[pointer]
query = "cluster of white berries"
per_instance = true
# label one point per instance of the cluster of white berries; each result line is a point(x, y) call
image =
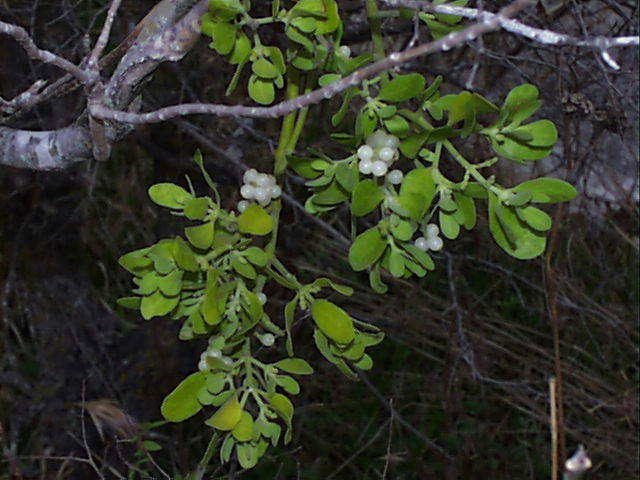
point(432, 241)
point(260, 187)
point(214, 354)
point(377, 155)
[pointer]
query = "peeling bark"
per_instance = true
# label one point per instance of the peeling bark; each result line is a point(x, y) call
point(45, 150)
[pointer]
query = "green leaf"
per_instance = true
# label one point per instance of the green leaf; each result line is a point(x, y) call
point(333, 321)
point(323, 282)
point(534, 217)
point(151, 446)
point(216, 382)
point(196, 208)
point(347, 176)
point(157, 305)
point(241, 50)
point(247, 455)
point(547, 190)
point(402, 88)
point(227, 416)
point(302, 166)
point(182, 402)
point(224, 37)
point(396, 264)
point(466, 209)
point(543, 135)
point(401, 229)
point(511, 234)
point(420, 256)
point(184, 256)
point(255, 221)
point(365, 363)
point(171, 284)
point(243, 431)
point(419, 181)
point(411, 145)
point(449, 226)
point(289, 311)
point(366, 249)
point(294, 365)
point(521, 103)
point(288, 383)
point(243, 267)
point(366, 196)
point(375, 280)
point(132, 303)
point(261, 90)
point(169, 195)
point(136, 262)
point(283, 406)
point(226, 449)
point(256, 255)
point(200, 236)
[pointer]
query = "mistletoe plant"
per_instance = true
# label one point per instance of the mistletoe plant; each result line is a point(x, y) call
point(395, 179)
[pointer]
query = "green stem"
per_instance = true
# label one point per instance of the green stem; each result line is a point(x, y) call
point(471, 168)
point(376, 29)
point(285, 146)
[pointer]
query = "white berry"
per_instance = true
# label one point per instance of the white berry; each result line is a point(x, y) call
point(214, 353)
point(262, 194)
point(268, 339)
point(365, 152)
point(379, 168)
point(365, 167)
point(432, 230)
point(242, 205)
point(202, 365)
point(344, 51)
point(227, 361)
point(386, 154)
point(435, 243)
point(421, 243)
point(248, 192)
point(262, 298)
point(392, 141)
point(377, 139)
point(395, 177)
point(250, 175)
point(275, 191)
point(262, 180)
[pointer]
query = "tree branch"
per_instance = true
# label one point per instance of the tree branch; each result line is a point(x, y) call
point(539, 35)
point(284, 108)
point(45, 56)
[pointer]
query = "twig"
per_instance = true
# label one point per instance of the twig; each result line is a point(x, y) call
point(92, 63)
point(45, 56)
point(430, 443)
point(281, 109)
point(548, 37)
point(553, 416)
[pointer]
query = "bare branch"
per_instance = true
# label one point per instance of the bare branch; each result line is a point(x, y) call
point(603, 44)
point(101, 43)
point(23, 100)
point(47, 150)
point(284, 108)
point(45, 56)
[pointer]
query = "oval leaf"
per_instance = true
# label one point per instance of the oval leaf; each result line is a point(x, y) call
point(333, 321)
point(182, 402)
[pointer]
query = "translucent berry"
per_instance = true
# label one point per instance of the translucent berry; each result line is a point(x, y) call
point(262, 297)
point(262, 194)
point(395, 177)
point(365, 167)
point(250, 175)
point(242, 205)
point(275, 191)
point(432, 230)
point(386, 154)
point(391, 141)
point(379, 168)
point(248, 192)
point(263, 180)
point(227, 361)
point(421, 243)
point(214, 353)
point(202, 365)
point(435, 243)
point(365, 152)
point(377, 139)
point(267, 339)
point(344, 51)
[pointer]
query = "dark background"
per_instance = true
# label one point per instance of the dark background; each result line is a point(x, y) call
point(469, 349)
